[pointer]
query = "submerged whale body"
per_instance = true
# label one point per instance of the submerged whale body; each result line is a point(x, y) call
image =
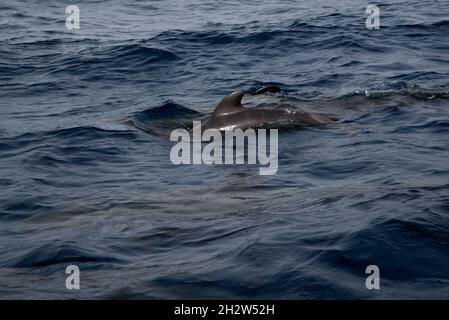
point(230, 114)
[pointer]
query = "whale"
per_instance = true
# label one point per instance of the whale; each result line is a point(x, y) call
point(230, 114)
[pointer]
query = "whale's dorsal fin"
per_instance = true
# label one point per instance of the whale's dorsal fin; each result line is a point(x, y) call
point(230, 104)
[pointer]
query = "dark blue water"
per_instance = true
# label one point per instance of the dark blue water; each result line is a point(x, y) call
point(86, 177)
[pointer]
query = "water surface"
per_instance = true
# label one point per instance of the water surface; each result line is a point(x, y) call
point(83, 184)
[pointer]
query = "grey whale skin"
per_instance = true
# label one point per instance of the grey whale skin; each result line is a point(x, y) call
point(230, 114)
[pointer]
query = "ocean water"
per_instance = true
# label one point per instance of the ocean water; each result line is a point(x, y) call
point(86, 177)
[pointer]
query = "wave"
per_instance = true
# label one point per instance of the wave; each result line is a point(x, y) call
point(127, 58)
point(57, 253)
point(437, 25)
point(439, 126)
point(97, 59)
point(385, 240)
point(168, 109)
point(161, 120)
point(62, 142)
